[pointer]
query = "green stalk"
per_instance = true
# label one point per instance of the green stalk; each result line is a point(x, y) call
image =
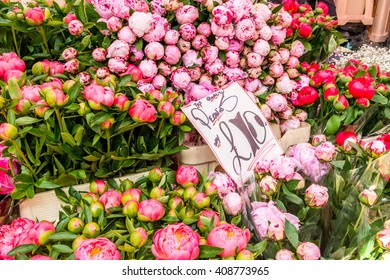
point(108, 137)
point(359, 218)
point(160, 125)
point(15, 41)
point(130, 136)
point(25, 160)
point(43, 35)
point(58, 115)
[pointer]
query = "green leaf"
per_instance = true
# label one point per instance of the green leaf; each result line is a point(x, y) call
point(277, 8)
point(68, 138)
point(82, 16)
point(366, 250)
point(106, 42)
point(63, 236)
point(259, 248)
point(209, 251)
point(74, 92)
point(292, 197)
point(61, 195)
point(63, 249)
point(332, 45)
point(185, 128)
point(333, 125)
point(79, 174)
point(55, 23)
point(352, 114)
point(99, 118)
point(139, 44)
point(24, 178)
point(22, 249)
point(373, 71)
point(14, 90)
point(307, 46)
point(42, 183)
point(222, 56)
point(380, 99)
point(236, 220)
point(291, 233)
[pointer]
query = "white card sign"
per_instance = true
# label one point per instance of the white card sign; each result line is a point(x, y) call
point(233, 126)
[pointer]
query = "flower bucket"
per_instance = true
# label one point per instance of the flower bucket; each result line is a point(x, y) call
point(293, 136)
point(46, 205)
point(201, 157)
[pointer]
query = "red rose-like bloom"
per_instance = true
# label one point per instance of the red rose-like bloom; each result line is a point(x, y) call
point(361, 87)
point(307, 96)
point(343, 136)
point(142, 111)
point(385, 138)
point(305, 30)
point(321, 5)
point(291, 6)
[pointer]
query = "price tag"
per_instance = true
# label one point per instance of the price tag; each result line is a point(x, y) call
point(233, 126)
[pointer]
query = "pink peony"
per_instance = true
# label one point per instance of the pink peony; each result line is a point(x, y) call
point(148, 68)
point(114, 24)
point(158, 29)
point(284, 255)
point(325, 151)
point(254, 59)
point(40, 232)
point(140, 23)
point(232, 203)
point(261, 47)
point(75, 27)
point(180, 78)
point(142, 111)
point(282, 168)
point(187, 31)
point(245, 29)
point(199, 42)
point(230, 238)
point(110, 198)
point(172, 54)
point(176, 242)
point(119, 49)
point(215, 67)
point(187, 176)
point(171, 37)
point(97, 95)
point(297, 48)
point(223, 182)
point(209, 54)
point(35, 16)
point(154, 51)
point(222, 15)
point(99, 54)
point(186, 14)
point(100, 248)
point(308, 251)
point(278, 34)
point(222, 31)
point(69, 53)
point(6, 241)
point(103, 8)
point(264, 213)
point(127, 35)
point(265, 33)
point(72, 66)
point(191, 58)
point(204, 29)
point(150, 210)
point(276, 102)
point(316, 196)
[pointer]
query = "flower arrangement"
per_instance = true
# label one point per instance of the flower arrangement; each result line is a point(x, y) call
point(139, 220)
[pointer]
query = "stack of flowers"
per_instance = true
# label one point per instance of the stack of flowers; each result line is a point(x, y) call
point(165, 215)
point(354, 95)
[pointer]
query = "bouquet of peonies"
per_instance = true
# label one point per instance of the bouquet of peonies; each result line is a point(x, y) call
point(164, 215)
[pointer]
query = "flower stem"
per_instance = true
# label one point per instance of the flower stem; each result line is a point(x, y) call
point(44, 40)
point(15, 42)
point(58, 115)
point(160, 125)
point(360, 217)
point(25, 160)
point(130, 137)
point(108, 137)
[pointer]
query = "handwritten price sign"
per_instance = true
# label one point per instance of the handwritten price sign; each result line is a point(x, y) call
point(234, 128)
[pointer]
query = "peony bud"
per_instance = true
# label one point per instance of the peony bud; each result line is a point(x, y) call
point(91, 230)
point(35, 16)
point(130, 209)
point(187, 176)
point(8, 131)
point(76, 225)
point(98, 187)
point(138, 237)
point(316, 196)
point(155, 175)
point(97, 209)
point(40, 232)
point(308, 251)
point(232, 204)
point(200, 200)
point(268, 185)
point(368, 197)
point(131, 194)
point(245, 255)
point(340, 103)
point(75, 27)
point(284, 255)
